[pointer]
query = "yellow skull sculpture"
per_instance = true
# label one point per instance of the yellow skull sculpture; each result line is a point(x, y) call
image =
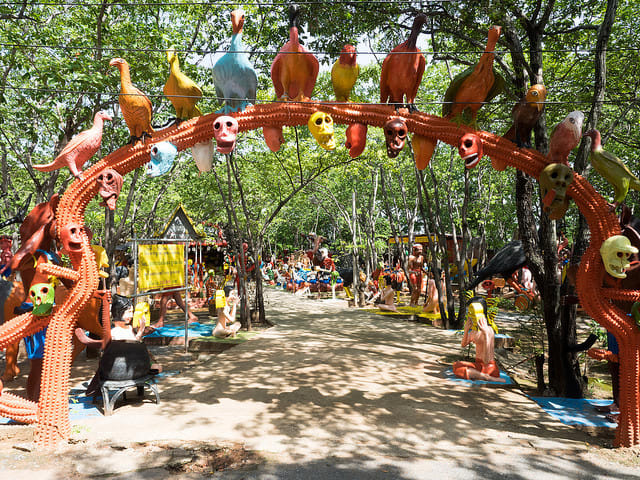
point(321, 127)
point(615, 252)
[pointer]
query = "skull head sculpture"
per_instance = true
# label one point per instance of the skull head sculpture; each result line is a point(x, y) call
point(615, 252)
point(110, 183)
point(71, 237)
point(470, 149)
point(162, 156)
point(395, 133)
point(554, 180)
point(42, 296)
point(225, 129)
point(321, 127)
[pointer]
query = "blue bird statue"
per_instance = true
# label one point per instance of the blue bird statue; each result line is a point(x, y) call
point(234, 77)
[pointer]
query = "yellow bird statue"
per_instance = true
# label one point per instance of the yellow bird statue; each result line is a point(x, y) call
point(344, 73)
point(181, 90)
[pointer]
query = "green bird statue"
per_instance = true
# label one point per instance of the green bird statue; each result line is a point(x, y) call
point(612, 169)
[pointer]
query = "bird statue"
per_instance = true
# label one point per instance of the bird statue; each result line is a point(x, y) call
point(612, 169)
point(80, 149)
point(234, 77)
point(402, 69)
point(470, 89)
point(525, 114)
point(344, 73)
point(505, 262)
point(565, 137)
point(135, 105)
point(295, 69)
point(181, 90)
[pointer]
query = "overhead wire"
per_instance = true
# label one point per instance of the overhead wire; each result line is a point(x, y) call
point(321, 102)
point(576, 50)
point(254, 3)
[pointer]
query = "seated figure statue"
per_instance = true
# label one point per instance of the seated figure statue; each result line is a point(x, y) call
point(477, 330)
point(226, 308)
point(387, 296)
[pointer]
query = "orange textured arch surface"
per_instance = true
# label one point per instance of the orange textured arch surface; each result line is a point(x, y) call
point(52, 410)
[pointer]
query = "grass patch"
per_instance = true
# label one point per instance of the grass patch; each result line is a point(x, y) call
point(239, 338)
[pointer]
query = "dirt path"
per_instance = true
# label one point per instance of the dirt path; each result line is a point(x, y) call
point(329, 393)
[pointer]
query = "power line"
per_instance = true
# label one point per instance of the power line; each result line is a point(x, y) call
point(183, 4)
point(328, 102)
point(577, 50)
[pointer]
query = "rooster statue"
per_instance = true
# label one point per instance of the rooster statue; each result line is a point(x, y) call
point(80, 149)
point(135, 105)
point(181, 90)
point(234, 77)
point(470, 89)
point(402, 69)
point(295, 69)
point(344, 73)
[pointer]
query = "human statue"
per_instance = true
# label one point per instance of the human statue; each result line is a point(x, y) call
point(226, 304)
point(416, 263)
point(478, 331)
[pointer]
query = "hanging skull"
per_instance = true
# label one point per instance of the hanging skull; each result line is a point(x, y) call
point(163, 155)
point(321, 127)
point(615, 252)
point(395, 133)
point(110, 183)
point(554, 180)
point(71, 238)
point(42, 296)
point(470, 149)
point(225, 129)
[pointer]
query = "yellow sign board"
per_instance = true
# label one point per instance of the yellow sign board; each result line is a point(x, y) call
point(160, 266)
point(416, 239)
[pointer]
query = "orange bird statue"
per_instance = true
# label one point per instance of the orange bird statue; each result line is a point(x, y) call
point(80, 149)
point(402, 70)
point(295, 69)
point(475, 86)
point(135, 105)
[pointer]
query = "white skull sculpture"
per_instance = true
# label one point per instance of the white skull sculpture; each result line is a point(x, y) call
point(615, 252)
point(554, 181)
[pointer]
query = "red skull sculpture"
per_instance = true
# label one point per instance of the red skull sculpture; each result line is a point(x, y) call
point(225, 129)
point(110, 183)
point(470, 149)
point(395, 132)
point(71, 237)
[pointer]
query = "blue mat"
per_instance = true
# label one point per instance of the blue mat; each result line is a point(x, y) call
point(195, 330)
point(81, 406)
point(575, 411)
point(450, 376)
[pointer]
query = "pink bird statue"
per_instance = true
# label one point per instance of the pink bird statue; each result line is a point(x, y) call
point(80, 149)
point(565, 137)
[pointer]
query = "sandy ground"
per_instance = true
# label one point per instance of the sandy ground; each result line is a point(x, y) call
point(329, 393)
